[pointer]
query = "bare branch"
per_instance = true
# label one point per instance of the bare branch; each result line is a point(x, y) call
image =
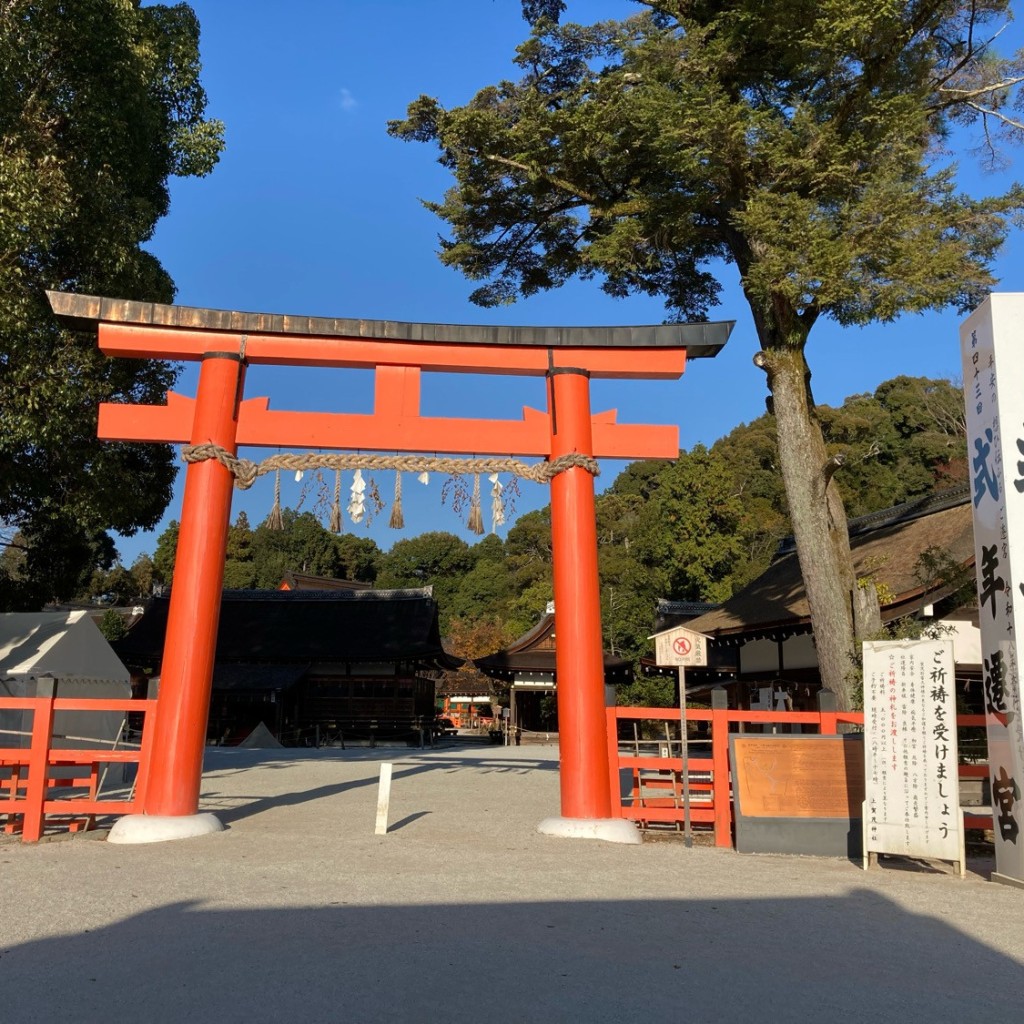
point(968, 94)
point(988, 112)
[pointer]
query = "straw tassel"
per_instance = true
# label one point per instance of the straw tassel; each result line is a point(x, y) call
point(275, 521)
point(397, 520)
point(335, 524)
point(476, 520)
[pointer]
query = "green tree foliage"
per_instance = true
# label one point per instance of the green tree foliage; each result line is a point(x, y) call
point(628, 592)
point(120, 585)
point(689, 528)
point(144, 573)
point(528, 553)
point(649, 692)
point(484, 589)
point(100, 104)
point(165, 553)
point(905, 440)
point(799, 141)
point(305, 546)
point(437, 559)
point(260, 558)
point(239, 561)
point(358, 558)
point(112, 625)
point(751, 451)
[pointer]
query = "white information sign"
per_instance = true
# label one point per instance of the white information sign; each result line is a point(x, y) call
point(680, 646)
point(911, 784)
point(992, 345)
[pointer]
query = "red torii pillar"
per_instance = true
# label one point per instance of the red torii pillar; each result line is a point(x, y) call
point(227, 341)
point(579, 651)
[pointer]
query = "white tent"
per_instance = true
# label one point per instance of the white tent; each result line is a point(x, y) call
point(69, 647)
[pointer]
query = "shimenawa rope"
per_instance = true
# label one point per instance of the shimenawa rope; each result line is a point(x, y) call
point(246, 472)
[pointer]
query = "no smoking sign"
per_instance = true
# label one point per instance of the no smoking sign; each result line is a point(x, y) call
point(681, 646)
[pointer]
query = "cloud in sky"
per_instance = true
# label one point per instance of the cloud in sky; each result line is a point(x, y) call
point(347, 101)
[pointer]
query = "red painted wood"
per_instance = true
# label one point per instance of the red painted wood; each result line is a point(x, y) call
point(579, 659)
point(400, 430)
point(186, 673)
point(719, 813)
point(38, 768)
point(317, 350)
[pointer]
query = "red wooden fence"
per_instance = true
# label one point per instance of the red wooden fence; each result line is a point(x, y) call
point(652, 765)
point(41, 780)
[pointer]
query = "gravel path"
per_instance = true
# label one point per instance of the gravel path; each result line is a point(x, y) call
point(463, 912)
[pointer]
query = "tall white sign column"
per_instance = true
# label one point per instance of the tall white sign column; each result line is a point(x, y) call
point(992, 345)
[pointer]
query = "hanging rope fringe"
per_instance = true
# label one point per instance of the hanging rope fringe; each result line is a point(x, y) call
point(476, 520)
point(335, 523)
point(246, 473)
point(397, 520)
point(275, 521)
point(497, 505)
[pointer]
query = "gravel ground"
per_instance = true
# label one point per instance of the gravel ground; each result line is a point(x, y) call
point(463, 912)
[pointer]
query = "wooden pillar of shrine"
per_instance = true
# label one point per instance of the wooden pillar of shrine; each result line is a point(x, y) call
point(579, 659)
point(186, 675)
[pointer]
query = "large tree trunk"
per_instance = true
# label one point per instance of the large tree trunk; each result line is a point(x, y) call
point(817, 514)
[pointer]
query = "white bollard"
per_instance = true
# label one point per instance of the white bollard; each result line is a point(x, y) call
point(383, 799)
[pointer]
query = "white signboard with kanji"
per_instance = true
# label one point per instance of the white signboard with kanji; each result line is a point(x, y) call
point(680, 647)
point(992, 346)
point(911, 783)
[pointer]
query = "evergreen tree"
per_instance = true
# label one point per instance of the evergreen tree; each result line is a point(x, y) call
point(100, 104)
point(798, 141)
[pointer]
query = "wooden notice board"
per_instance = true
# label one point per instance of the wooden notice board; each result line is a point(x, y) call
point(798, 776)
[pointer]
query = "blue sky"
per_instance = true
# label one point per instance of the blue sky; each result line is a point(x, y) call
point(314, 210)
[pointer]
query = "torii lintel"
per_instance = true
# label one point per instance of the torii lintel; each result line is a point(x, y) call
point(154, 330)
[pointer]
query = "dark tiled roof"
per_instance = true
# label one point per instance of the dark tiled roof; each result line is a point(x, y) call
point(503, 664)
point(303, 581)
point(540, 637)
point(534, 651)
point(678, 613)
point(887, 546)
point(307, 626)
point(905, 513)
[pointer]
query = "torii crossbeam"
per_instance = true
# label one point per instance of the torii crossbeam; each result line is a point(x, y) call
point(226, 342)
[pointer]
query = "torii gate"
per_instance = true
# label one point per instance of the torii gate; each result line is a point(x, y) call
point(226, 342)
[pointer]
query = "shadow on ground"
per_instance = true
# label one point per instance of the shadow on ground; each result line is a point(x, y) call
point(858, 957)
point(219, 764)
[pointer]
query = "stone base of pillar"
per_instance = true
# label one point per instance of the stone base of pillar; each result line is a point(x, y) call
point(159, 828)
point(611, 830)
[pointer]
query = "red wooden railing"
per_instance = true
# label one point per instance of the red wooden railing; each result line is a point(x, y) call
point(652, 770)
point(32, 778)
